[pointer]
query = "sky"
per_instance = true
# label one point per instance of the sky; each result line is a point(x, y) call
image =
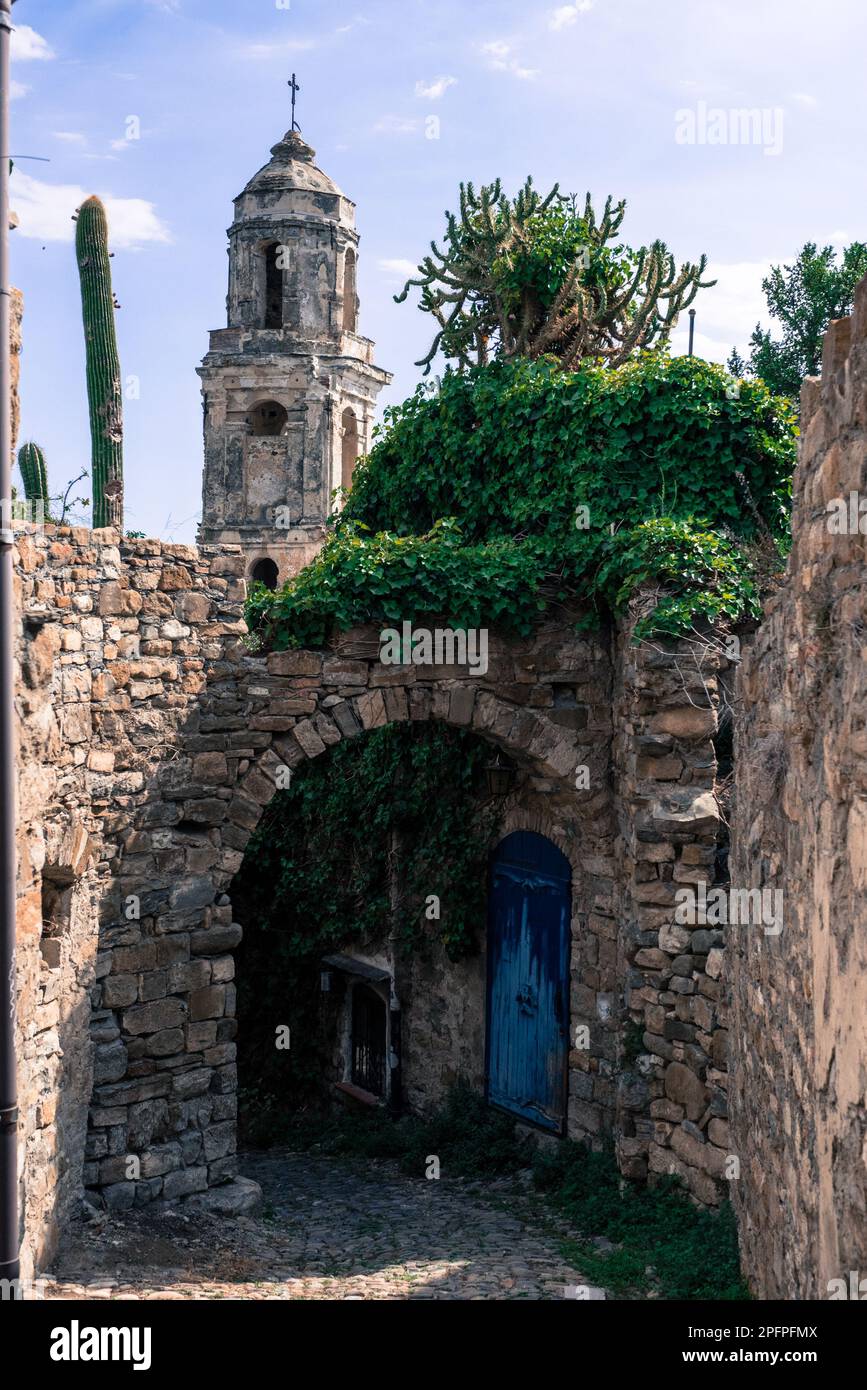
point(165, 108)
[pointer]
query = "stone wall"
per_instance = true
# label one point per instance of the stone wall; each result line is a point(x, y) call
point(799, 1006)
point(112, 654)
point(672, 1088)
point(151, 741)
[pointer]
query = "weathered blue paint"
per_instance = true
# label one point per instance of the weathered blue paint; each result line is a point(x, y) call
point(528, 979)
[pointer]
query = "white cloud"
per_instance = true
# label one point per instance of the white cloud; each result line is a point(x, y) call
point(28, 46)
point(497, 51)
point(435, 89)
point(401, 269)
point(273, 50)
point(805, 99)
point(359, 21)
point(17, 89)
point(727, 314)
point(566, 15)
point(499, 56)
point(396, 125)
point(45, 211)
point(70, 137)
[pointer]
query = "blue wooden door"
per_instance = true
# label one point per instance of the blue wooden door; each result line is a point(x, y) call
point(528, 979)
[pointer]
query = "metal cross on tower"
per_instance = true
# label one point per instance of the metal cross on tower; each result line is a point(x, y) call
point(294, 88)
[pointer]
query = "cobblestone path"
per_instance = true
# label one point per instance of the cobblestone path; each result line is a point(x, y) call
point(328, 1228)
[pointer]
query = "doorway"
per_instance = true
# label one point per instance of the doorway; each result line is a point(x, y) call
point(529, 911)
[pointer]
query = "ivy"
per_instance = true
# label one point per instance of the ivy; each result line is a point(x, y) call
point(518, 484)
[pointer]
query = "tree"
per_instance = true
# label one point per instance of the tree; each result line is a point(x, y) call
point(534, 275)
point(804, 297)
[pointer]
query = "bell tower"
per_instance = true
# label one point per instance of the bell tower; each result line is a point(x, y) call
point(289, 387)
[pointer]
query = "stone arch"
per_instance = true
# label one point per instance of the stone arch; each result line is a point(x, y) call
point(265, 571)
point(461, 704)
point(254, 720)
point(517, 817)
point(530, 739)
point(349, 446)
point(350, 291)
point(267, 419)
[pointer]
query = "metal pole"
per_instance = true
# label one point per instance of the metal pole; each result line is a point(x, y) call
point(9, 1264)
point(691, 329)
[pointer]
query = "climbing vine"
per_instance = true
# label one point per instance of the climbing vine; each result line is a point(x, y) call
point(516, 485)
point(354, 850)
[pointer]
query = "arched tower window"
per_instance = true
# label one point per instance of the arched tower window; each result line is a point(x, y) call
point(274, 254)
point(350, 294)
point(349, 451)
point(268, 418)
point(265, 572)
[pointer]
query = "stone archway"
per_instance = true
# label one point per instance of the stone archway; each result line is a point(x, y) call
point(252, 721)
point(173, 734)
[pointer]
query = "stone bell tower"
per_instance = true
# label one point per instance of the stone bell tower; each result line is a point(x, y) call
point(289, 386)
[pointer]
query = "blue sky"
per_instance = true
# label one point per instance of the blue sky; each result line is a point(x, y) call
point(166, 107)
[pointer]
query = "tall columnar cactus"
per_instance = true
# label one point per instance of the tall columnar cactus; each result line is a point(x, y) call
point(103, 364)
point(34, 475)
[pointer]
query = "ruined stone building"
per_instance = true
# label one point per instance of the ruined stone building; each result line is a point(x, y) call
point(152, 740)
point(289, 386)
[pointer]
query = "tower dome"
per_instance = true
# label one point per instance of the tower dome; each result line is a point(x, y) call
point(291, 169)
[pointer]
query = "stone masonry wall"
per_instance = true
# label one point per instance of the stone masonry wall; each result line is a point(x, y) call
point(672, 1095)
point(112, 653)
point(799, 1010)
point(152, 740)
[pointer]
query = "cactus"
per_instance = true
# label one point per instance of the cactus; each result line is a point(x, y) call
point(31, 462)
point(103, 364)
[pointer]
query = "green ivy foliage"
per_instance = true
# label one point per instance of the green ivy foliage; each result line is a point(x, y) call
point(468, 504)
point(315, 878)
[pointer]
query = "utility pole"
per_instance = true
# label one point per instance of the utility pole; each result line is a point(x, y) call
point(9, 1263)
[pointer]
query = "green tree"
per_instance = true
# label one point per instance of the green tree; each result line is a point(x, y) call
point(803, 297)
point(534, 275)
